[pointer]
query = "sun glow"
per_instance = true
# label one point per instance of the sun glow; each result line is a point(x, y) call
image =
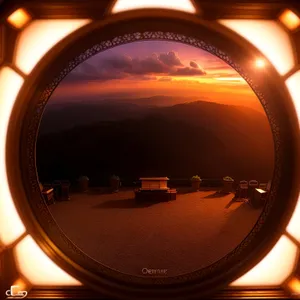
point(37, 267)
point(232, 79)
point(39, 37)
point(292, 84)
point(294, 285)
point(10, 223)
point(260, 63)
point(183, 5)
point(268, 37)
point(274, 268)
point(293, 227)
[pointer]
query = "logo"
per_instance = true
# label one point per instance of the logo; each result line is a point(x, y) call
point(15, 293)
point(146, 271)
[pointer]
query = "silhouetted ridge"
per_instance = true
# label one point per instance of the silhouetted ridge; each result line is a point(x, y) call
point(199, 137)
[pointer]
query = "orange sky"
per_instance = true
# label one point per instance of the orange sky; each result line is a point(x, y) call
point(147, 69)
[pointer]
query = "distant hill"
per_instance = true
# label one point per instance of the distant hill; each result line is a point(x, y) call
point(84, 112)
point(158, 100)
point(67, 114)
point(130, 140)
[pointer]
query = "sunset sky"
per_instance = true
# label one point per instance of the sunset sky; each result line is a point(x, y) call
point(151, 68)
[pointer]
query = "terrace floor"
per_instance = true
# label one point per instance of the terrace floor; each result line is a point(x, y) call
point(182, 236)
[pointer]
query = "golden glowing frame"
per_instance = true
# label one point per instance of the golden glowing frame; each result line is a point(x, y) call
point(252, 24)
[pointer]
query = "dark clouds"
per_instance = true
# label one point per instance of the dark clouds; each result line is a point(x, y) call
point(194, 65)
point(170, 59)
point(122, 66)
point(148, 65)
point(76, 76)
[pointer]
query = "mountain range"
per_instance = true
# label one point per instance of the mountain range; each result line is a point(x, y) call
point(93, 109)
point(154, 137)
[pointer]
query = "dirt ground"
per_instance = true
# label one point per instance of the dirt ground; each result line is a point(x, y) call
point(181, 236)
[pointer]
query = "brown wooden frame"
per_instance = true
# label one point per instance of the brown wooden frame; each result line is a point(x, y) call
point(96, 10)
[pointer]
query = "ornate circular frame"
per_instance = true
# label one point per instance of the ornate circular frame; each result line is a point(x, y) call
point(100, 36)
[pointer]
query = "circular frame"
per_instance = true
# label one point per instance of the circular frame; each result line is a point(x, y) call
point(189, 29)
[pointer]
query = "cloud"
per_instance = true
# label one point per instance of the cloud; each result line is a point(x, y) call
point(170, 59)
point(154, 64)
point(146, 68)
point(149, 65)
point(187, 71)
point(96, 75)
point(118, 62)
point(194, 65)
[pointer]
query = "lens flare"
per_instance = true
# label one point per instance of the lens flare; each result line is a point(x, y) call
point(260, 63)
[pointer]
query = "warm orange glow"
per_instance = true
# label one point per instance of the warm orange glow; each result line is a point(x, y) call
point(293, 86)
point(290, 19)
point(294, 286)
point(183, 5)
point(232, 79)
point(274, 268)
point(19, 18)
point(37, 267)
point(21, 284)
point(11, 226)
point(260, 63)
point(268, 37)
point(39, 37)
point(293, 227)
point(221, 91)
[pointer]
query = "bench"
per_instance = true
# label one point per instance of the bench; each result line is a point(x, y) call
point(48, 193)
